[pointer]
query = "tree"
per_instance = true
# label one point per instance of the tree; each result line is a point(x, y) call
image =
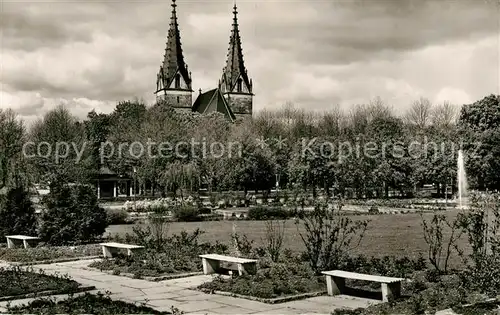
point(444, 115)
point(480, 127)
point(59, 129)
point(251, 164)
point(17, 213)
point(12, 138)
point(96, 131)
point(73, 215)
point(420, 113)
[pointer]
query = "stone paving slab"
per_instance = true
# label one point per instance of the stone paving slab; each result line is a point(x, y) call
point(194, 297)
point(343, 301)
point(224, 310)
point(165, 304)
point(136, 283)
point(305, 306)
point(198, 306)
point(161, 289)
point(164, 294)
point(244, 303)
point(188, 282)
point(284, 311)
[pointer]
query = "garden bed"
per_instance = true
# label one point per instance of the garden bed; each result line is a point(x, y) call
point(276, 283)
point(84, 304)
point(18, 284)
point(45, 255)
point(116, 272)
point(277, 300)
point(151, 265)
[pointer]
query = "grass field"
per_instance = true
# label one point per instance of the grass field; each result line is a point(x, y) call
point(387, 234)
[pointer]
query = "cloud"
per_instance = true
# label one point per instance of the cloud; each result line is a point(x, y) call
point(314, 54)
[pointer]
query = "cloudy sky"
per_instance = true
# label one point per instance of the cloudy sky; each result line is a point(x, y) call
point(315, 54)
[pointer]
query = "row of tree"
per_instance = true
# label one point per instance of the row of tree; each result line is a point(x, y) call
point(416, 148)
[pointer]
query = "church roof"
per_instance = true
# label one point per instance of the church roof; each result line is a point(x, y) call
point(173, 60)
point(235, 66)
point(213, 101)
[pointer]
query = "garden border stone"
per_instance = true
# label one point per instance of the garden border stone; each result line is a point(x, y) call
point(277, 300)
point(80, 289)
point(50, 261)
point(148, 278)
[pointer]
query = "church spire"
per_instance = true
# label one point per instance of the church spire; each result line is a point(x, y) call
point(234, 73)
point(174, 68)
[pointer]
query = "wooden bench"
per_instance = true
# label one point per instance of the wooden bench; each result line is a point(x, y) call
point(26, 241)
point(108, 249)
point(212, 263)
point(335, 283)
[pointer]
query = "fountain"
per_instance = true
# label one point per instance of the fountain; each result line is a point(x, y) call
point(462, 181)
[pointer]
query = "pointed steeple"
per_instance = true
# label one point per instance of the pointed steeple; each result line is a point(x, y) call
point(174, 68)
point(234, 73)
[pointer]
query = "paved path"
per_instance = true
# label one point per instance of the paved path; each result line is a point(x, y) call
point(179, 293)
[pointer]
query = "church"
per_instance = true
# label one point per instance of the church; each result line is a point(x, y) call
point(233, 95)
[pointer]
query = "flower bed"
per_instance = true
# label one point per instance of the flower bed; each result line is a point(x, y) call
point(279, 282)
point(420, 204)
point(17, 283)
point(150, 265)
point(163, 258)
point(49, 254)
point(85, 304)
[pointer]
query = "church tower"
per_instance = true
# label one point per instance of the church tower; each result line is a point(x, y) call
point(235, 84)
point(173, 83)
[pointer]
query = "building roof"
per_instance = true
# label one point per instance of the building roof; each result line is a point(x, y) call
point(213, 101)
point(235, 67)
point(173, 60)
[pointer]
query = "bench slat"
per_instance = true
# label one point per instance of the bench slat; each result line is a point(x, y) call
point(119, 245)
point(22, 237)
point(229, 258)
point(361, 276)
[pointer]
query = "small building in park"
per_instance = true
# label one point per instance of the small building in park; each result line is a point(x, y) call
point(112, 185)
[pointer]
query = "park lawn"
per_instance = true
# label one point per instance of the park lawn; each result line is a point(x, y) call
point(399, 235)
point(85, 304)
point(39, 254)
point(14, 282)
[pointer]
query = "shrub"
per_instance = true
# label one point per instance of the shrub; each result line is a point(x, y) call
point(185, 213)
point(385, 266)
point(439, 251)
point(329, 236)
point(116, 216)
point(73, 215)
point(275, 233)
point(17, 213)
point(269, 213)
point(482, 226)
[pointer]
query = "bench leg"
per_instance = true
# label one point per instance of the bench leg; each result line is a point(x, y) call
point(391, 291)
point(106, 252)
point(335, 285)
point(210, 266)
point(10, 243)
point(30, 243)
point(245, 269)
